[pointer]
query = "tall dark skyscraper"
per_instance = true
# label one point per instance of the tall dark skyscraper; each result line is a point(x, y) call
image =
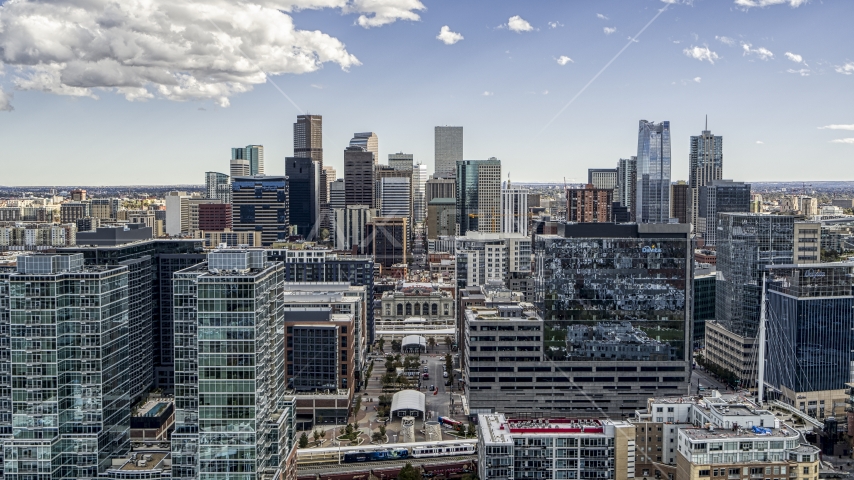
point(304, 182)
point(706, 165)
point(260, 203)
point(479, 195)
point(308, 143)
point(358, 176)
point(652, 201)
point(719, 196)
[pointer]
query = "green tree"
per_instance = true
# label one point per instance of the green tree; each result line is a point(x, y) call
point(472, 431)
point(303, 440)
point(315, 435)
point(431, 342)
point(449, 367)
point(381, 343)
point(449, 342)
point(408, 472)
point(382, 430)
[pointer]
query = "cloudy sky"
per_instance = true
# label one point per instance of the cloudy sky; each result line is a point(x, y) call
point(157, 91)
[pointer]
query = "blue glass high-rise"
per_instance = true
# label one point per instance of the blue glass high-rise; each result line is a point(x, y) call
point(652, 203)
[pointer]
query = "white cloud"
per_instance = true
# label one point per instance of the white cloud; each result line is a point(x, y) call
point(837, 127)
point(563, 60)
point(609, 30)
point(804, 72)
point(487, 94)
point(555, 24)
point(760, 142)
point(698, 79)
point(843, 140)
point(317, 86)
point(545, 92)
point(765, 3)
point(846, 69)
point(725, 40)
point(375, 13)
point(601, 17)
point(761, 52)
point(519, 24)
point(448, 37)
point(701, 53)
point(173, 49)
point(5, 102)
point(794, 57)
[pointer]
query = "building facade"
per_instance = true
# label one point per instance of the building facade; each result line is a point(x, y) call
point(718, 196)
point(679, 201)
point(387, 240)
point(448, 149)
point(604, 178)
point(358, 176)
point(350, 226)
point(304, 182)
point(514, 210)
point(588, 204)
point(251, 154)
point(626, 189)
point(705, 166)
point(652, 184)
point(218, 187)
point(479, 196)
point(261, 203)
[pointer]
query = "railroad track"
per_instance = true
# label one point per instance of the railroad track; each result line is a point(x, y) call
point(366, 466)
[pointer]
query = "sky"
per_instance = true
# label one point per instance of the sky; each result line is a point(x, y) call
point(95, 92)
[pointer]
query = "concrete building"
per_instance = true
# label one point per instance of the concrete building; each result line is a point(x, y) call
point(705, 166)
point(70, 212)
point(448, 149)
point(213, 239)
point(514, 209)
point(44, 236)
point(441, 217)
point(304, 181)
point(44, 399)
point(401, 161)
point(588, 204)
point(718, 196)
point(358, 176)
point(350, 227)
point(254, 155)
point(626, 189)
point(618, 287)
point(105, 208)
point(367, 141)
point(510, 449)
point(214, 217)
point(486, 257)
point(218, 187)
point(394, 197)
point(652, 199)
point(440, 188)
point(238, 167)
point(807, 242)
point(419, 186)
point(679, 201)
point(267, 212)
point(417, 309)
point(229, 387)
point(479, 196)
point(602, 178)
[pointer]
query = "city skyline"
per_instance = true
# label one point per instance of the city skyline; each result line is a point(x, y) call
point(728, 60)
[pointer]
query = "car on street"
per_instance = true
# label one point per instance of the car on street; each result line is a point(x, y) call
point(444, 374)
point(432, 387)
point(426, 369)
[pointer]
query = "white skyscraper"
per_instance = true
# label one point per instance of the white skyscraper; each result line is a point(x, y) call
point(514, 209)
point(448, 149)
point(419, 182)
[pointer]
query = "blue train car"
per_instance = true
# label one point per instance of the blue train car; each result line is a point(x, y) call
point(376, 456)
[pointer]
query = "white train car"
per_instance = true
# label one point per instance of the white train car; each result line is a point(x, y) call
point(442, 449)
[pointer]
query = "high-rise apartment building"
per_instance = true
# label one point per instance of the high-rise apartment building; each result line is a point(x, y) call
point(652, 198)
point(589, 204)
point(479, 196)
point(229, 380)
point(509, 448)
point(491, 257)
point(369, 142)
point(65, 404)
point(218, 187)
point(105, 208)
point(679, 201)
point(260, 203)
point(602, 178)
point(514, 209)
point(254, 154)
point(448, 149)
point(718, 196)
point(303, 187)
point(810, 317)
point(358, 176)
point(625, 190)
point(706, 165)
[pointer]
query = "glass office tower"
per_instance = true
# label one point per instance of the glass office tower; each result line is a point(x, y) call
point(810, 326)
point(67, 361)
point(229, 366)
point(479, 196)
point(652, 201)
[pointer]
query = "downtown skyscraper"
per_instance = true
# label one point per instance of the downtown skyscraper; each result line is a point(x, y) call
point(706, 166)
point(308, 143)
point(652, 201)
point(448, 150)
point(479, 196)
point(251, 154)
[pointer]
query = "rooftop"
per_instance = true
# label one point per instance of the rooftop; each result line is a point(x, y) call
point(739, 433)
